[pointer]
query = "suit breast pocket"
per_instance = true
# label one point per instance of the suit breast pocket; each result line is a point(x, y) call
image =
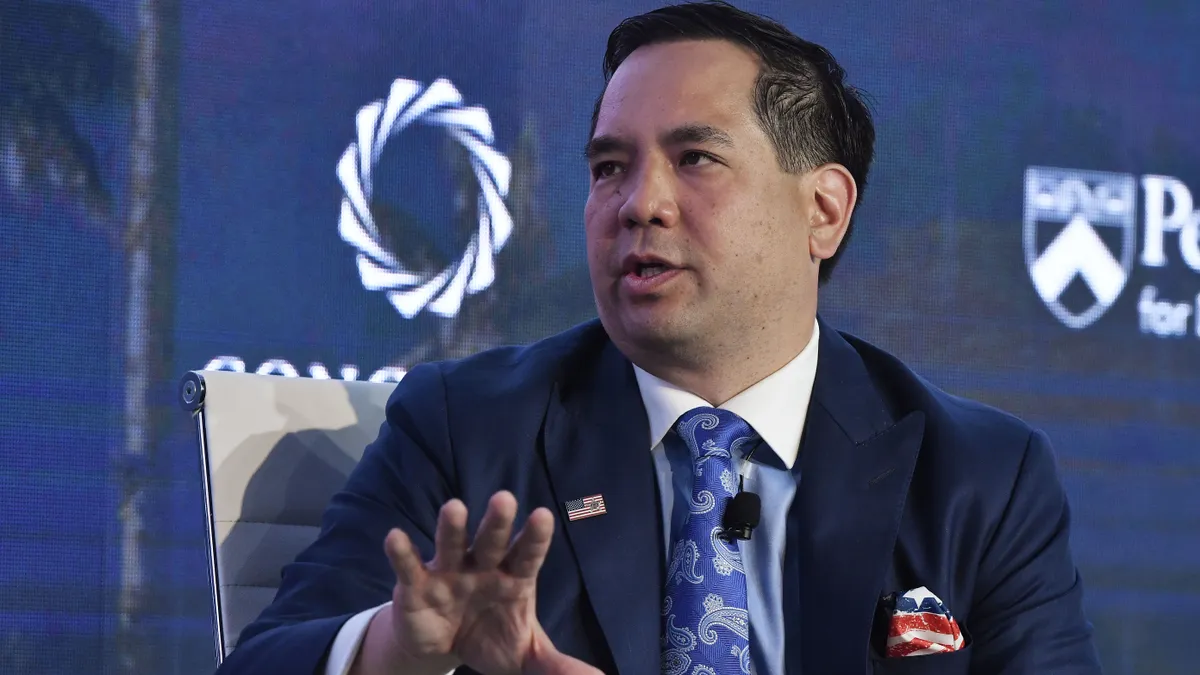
point(949, 663)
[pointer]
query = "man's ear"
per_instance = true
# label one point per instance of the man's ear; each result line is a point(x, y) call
point(834, 194)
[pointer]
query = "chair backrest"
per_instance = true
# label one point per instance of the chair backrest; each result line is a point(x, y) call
point(273, 451)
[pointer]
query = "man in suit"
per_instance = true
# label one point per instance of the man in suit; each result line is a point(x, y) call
point(727, 156)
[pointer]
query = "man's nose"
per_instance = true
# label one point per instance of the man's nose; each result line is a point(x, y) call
point(651, 196)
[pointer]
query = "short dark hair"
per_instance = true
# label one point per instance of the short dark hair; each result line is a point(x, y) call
point(801, 99)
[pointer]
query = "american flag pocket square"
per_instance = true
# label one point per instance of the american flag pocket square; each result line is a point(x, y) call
point(920, 624)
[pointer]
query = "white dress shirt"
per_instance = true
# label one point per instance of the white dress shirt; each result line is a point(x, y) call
point(775, 407)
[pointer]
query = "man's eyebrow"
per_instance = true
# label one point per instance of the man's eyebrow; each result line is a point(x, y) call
point(682, 135)
point(602, 145)
point(697, 133)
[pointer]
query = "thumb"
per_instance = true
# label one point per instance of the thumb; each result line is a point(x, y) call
point(545, 659)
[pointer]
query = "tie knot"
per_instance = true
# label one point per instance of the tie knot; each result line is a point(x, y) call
point(712, 433)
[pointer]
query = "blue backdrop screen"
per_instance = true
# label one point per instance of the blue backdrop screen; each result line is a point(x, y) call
point(348, 189)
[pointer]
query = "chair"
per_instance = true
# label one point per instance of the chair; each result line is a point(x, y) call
point(273, 451)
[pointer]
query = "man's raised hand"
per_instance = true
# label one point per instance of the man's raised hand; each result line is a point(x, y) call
point(471, 605)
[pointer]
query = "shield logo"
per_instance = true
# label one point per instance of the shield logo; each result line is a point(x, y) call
point(1080, 228)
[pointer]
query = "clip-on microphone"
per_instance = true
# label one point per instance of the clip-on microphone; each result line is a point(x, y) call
point(742, 511)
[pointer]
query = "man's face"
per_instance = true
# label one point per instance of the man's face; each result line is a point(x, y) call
point(695, 236)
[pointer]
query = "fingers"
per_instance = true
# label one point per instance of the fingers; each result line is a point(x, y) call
point(405, 558)
point(528, 551)
point(450, 541)
point(491, 548)
point(491, 540)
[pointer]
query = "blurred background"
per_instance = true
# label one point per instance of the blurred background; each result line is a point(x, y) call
point(288, 188)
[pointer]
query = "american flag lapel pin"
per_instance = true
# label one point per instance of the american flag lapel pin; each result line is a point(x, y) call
point(578, 509)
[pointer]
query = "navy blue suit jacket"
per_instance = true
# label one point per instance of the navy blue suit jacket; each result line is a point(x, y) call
point(900, 486)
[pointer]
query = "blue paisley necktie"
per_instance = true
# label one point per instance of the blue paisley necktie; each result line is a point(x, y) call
point(706, 622)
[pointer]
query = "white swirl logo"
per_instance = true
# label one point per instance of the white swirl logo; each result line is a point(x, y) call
point(440, 105)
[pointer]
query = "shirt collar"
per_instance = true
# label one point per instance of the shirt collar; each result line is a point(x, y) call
point(775, 406)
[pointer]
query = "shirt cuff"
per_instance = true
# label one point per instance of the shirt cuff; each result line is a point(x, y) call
point(349, 639)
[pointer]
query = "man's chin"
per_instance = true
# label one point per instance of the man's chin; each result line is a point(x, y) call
point(653, 331)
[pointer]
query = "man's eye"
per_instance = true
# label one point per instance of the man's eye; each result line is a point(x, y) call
point(605, 169)
point(695, 157)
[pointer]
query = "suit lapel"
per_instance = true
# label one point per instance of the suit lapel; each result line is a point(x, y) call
point(856, 462)
point(597, 442)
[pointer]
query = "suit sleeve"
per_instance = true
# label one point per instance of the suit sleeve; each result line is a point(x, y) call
point(402, 481)
point(1029, 618)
